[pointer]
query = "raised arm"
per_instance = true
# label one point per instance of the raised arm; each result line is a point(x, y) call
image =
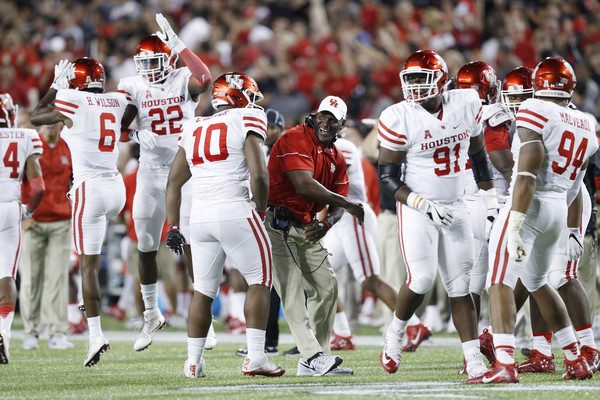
point(44, 112)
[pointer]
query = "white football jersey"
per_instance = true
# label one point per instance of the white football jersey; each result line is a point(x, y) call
point(214, 148)
point(436, 146)
point(569, 137)
point(493, 115)
point(357, 190)
point(93, 137)
point(16, 145)
point(162, 108)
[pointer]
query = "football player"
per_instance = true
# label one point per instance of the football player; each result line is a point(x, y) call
point(425, 141)
point(497, 122)
point(349, 242)
point(20, 150)
point(163, 97)
point(554, 143)
point(221, 154)
point(92, 121)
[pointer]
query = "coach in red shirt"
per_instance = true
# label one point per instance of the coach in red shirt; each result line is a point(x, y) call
point(47, 248)
point(306, 173)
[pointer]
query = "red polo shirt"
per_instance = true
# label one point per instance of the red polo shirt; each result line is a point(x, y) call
point(57, 171)
point(300, 149)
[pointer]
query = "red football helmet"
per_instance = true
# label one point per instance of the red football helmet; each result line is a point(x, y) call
point(554, 77)
point(154, 60)
point(517, 87)
point(424, 75)
point(8, 111)
point(480, 76)
point(88, 74)
point(235, 89)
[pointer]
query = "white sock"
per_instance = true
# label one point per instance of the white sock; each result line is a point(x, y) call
point(237, 305)
point(414, 320)
point(94, 326)
point(195, 347)
point(340, 324)
point(568, 342)
point(6, 321)
point(542, 342)
point(586, 336)
point(470, 348)
point(397, 325)
point(256, 342)
point(73, 313)
point(504, 344)
point(150, 296)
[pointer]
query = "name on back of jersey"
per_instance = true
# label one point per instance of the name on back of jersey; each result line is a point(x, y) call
point(12, 135)
point(581, 123)
point(102, 102)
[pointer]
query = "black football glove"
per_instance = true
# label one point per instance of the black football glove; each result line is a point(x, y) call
point(175, 240)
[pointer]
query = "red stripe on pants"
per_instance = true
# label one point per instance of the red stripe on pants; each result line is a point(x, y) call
point(80, 219)
point(262, 252)
point(498, 251)
point(263, 233)
point(360, 253)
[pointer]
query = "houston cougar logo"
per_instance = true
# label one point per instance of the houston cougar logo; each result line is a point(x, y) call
point(234, 81)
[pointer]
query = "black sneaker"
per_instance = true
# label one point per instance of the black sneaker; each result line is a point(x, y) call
point(269, 350)
point(292, 352)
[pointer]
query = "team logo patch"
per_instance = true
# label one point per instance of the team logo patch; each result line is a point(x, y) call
point(333, 102)
point(332, 168)
point(234, 81)
point(148, 94)
point(427, 134)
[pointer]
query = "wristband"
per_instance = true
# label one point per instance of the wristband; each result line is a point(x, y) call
point(415, 201)
point(515, 221)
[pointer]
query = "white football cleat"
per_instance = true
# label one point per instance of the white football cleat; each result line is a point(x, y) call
point(4, 346)
point(261, 366)
point(96, 346)
point(153, 321)
point(475, 367)
point(392, 351)
point(211, 338)
point(191, 370)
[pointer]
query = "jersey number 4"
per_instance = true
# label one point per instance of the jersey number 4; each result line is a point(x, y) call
point(204, 154)
point(566, 149)
point(10, 159)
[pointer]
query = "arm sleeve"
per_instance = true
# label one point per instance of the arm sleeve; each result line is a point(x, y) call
point(531, 116)
point(67, 102)
point(125, 87)
point(254, 120)
point(497, 138)
point(294, 154)
point(390, 131)
point(341, 183)
point(35, 144)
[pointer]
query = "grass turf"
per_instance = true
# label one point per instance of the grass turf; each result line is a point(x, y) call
point(429, 373)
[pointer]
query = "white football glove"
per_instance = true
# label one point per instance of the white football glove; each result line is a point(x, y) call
point(168, 34)
point(63, 71)
point(146, 139)
point(439, 214)
point(25, 213)
point(575, 244)
point(491, 203)
point(514, 245)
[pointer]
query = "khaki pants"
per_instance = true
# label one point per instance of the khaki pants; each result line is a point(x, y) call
point(393, 270)
point(309, 317)
point(44, 275)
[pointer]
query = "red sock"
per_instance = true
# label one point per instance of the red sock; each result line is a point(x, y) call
point(5, 309)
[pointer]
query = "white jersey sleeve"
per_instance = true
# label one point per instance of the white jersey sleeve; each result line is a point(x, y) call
point(533, 115)
point(16, 146)
point(254, 120)
point(495, 115)
point(68, 103)
point(473, 110)
point(357, 190)
point(392, 130)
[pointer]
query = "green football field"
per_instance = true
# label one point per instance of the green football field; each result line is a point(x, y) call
point(432, 372)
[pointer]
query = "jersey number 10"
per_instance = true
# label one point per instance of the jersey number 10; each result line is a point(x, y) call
point(566, 148)
point(202, 155)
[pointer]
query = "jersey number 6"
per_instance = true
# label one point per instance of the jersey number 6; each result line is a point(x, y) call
point(200, 156)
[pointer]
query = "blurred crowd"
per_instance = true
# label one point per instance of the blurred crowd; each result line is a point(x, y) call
point(301, 50)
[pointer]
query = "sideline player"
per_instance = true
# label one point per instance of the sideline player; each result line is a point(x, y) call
point(20, 150)
point(221, 154)
point(92, 121)
point(349, 242)
point(163, 99)
point(424, 144)
point(554, 144)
